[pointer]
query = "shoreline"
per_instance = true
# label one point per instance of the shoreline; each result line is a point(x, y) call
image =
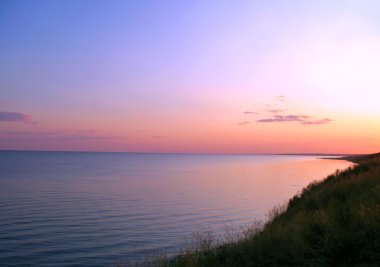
point(357, 158)
point(332, 222)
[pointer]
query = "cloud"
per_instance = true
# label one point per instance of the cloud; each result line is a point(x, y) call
point(243, 123)
point(279, 112)
point(275, 110)
point(280, 118)
point(302, 119)
point(72, 135)
point(317, 122)
point(14, 116)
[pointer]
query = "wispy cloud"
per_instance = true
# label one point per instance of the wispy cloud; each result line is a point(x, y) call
point(14, 117)
point(302, 119)
point(276, 110)
point(280, 118)
point(317, 122)
point(73, 135)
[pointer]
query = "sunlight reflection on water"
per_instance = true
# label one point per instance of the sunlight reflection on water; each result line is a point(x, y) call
point(96, 209)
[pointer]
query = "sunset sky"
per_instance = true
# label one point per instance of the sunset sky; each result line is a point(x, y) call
point(190, 76)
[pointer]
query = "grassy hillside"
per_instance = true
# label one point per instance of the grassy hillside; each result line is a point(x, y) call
point(335, 222)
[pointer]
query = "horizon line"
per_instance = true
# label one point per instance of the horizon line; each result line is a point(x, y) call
point(187, 153)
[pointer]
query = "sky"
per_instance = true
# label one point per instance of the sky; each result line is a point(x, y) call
point(190, 76)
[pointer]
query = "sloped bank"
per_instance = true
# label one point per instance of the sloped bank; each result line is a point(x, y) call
point(335, 222)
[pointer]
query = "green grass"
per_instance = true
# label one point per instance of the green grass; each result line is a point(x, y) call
point(335, 222)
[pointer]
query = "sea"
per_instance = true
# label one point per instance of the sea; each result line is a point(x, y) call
point(104, 209)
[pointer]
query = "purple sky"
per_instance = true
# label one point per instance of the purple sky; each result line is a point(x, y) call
point(203, 76)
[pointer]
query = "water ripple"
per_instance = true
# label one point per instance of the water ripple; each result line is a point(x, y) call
point(98, 209)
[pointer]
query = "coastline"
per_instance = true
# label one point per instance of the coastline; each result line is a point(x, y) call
point(330, 223)
point(357, 158)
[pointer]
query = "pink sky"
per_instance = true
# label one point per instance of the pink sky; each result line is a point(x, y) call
point(198, 77)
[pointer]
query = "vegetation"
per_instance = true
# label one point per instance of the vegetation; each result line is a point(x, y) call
point(335, 222)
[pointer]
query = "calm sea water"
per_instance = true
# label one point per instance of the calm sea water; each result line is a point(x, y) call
point(98, 209)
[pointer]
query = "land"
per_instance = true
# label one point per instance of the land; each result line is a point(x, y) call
point(334, 222)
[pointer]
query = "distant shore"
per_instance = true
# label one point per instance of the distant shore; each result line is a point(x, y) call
point(357, 158)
